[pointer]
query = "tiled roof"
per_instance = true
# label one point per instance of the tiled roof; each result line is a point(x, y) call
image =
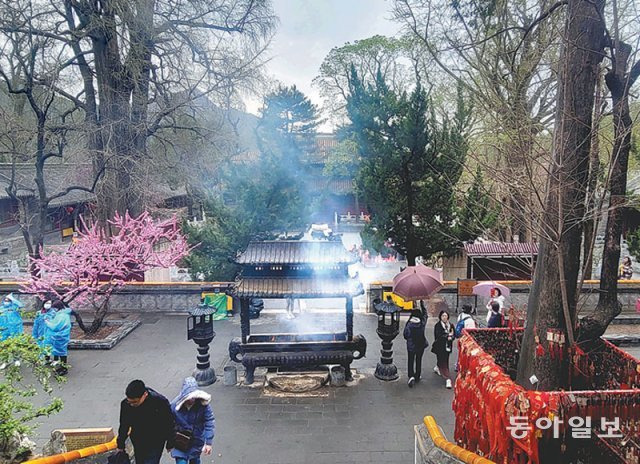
point(296, 252)
point(501, 249)
point(282, 287)
point(202, 310)
point(57, 177)
point(341, 186)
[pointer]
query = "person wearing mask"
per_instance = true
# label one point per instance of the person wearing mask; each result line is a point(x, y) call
point(625, 271)
point(443, 333)
point(496, 297)
point(10, 318)
point(416, 342)
point(39, 327)
point(194, 423)
point(146, 417)
point(495, 316)
point(57, 335)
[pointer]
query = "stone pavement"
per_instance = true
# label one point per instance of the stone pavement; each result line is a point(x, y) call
point(371, 421)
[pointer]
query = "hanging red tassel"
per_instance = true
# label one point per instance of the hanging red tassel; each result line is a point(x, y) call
point(539, 348)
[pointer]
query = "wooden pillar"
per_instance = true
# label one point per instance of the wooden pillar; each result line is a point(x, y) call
point(245, 325)
point(349, 318)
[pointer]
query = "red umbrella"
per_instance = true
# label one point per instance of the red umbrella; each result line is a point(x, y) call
point(417, 282)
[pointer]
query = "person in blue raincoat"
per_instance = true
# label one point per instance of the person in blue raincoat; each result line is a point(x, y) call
point(10, 318)
point(194, 418)
point(57, 334)
point(38, 331)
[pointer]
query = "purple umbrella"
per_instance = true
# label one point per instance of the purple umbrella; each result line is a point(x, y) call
point(484, 289)
point(417, 283)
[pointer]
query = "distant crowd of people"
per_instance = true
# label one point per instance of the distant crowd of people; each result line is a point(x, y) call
point(444, 334)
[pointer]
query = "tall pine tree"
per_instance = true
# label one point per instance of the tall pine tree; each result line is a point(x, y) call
point(270, 190)
point(410, 165)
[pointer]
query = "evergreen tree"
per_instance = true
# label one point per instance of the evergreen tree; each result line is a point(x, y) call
point(410, 165)
point(270, 190)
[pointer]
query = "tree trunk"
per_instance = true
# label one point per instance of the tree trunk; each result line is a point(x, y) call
point(618, 81)
point(592, 184)
point(411, 243)
point(552, 300)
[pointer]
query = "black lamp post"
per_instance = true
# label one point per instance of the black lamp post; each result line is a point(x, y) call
point(200, 330)
point(388, 329)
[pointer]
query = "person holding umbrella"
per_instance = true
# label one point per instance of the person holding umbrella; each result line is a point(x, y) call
point(444, 334)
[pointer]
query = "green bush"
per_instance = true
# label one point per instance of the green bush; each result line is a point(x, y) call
point(18, 356)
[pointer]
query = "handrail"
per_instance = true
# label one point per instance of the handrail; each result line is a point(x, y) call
point(441, 442)
point(76, 454)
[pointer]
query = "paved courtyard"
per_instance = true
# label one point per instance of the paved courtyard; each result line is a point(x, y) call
point(371, 421)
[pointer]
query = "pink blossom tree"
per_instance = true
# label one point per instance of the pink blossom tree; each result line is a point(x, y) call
point(97, 264)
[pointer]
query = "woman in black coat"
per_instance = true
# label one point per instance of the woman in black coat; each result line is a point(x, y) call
point(416, 342)
point(444, 335)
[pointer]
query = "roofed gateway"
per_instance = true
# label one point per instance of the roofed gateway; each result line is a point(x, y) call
point(296, 269)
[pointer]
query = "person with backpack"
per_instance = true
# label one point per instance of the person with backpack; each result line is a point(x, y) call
point(444, 334)
point(195, 424)
point(465, 320)
point(416, 342)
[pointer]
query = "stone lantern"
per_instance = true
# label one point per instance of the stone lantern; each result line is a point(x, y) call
point(200, 330)
point(388, 328)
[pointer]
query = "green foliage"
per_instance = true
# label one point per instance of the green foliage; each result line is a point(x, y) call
point(343, 160)
point(410, 165)
point(266, 193)
point(19, 355)
point(270, 190)
point(218, 240)
point(476, 214)
point(633, 242)
point(370, 56)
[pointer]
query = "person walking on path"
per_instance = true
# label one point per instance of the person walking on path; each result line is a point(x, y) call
point(57, 334)
point(145, 416)
point(496, 297)
point(39, 327)
point(10, 318)
point(495, 316)
point(416, 342)
point(465, 321)
point(195, 424)
point(443, 342)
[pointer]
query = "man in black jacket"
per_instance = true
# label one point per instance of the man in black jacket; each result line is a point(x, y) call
point(145, 416)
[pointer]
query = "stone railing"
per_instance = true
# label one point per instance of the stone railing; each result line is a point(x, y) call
point(143, 296)
point(628, 293)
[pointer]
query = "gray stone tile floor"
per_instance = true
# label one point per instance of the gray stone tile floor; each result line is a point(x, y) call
point(371, 421)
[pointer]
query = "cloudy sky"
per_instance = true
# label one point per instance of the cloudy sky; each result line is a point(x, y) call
point(309, 29)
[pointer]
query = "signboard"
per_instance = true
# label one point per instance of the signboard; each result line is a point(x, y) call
point(465, 287)
point(76, 439)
